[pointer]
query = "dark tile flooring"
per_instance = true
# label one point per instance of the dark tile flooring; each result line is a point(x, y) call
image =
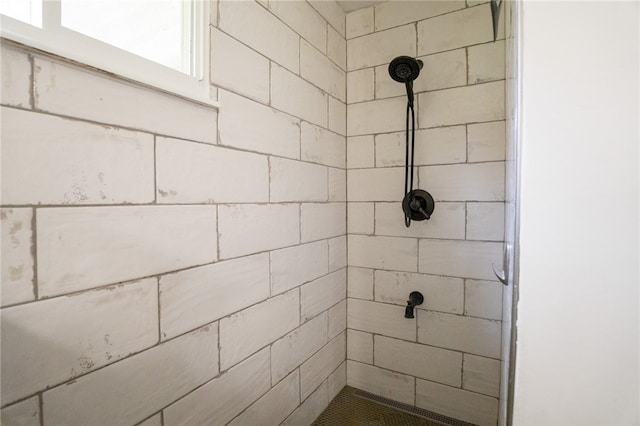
point(348, 409)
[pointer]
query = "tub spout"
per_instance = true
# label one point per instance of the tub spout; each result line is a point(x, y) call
point(415, 298)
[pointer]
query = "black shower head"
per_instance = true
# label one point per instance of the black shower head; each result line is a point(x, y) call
point(404, 69)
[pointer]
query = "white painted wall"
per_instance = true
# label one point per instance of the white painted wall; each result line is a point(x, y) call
point(578, 326)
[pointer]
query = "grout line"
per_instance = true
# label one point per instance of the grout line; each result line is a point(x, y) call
point(418, 255)
point(217, 24)
point(300, 223)
point(417, 45)
point(217, 233)
point(462, 370)
point(466, 221)
point(466, 58)
point(32, 82)
point(155, 169)
point(466, 140)
point(159, 308)
point(219, 347)
point(271, 294)
point(300, 307)
point(186, 204)
point(34, 253)
point(41, 408)
point(271, 360)
point(464, 297)
point(300, 400)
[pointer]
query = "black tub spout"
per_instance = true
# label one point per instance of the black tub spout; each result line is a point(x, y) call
point(415, 298)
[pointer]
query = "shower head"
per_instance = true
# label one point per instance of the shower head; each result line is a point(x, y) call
point(404, 69)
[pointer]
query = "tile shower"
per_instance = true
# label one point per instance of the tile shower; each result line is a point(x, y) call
point(167, 263)
point(447, 360)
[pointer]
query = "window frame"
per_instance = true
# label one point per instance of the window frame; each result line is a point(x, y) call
point(55, 39)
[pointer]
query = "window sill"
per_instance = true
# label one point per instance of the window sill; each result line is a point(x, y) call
point(86, 51)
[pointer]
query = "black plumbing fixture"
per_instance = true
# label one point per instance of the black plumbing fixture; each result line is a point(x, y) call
point(405, 69)
point(416, 204)
point(415, 299)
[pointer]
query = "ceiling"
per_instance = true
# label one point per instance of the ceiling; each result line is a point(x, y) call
point(351, 5)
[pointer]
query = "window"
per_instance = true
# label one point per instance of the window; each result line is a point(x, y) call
point(161, 43)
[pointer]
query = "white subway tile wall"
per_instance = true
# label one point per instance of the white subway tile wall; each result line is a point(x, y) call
point(16, 78)
point(320, 70)
point(275, 405)
point(337, 380)
point(243, 333)
point(252, 126)
point(336, 44)
point(195, 257)
point(304, 20)
point(119, 243)
point(337, 253)
point(219, 264)
point(24, 413)
point(360, 85)
point(481, 375)
point(460, 404)
point(197, 296)
point(333, 13)
point(310, 408)
point(58, 339)
point(337, 185)
point(16, 260)
point(360, 152)
point(360, 283)
point(360, 346)
point(73, 162)
point(389, 15)
point(296, 265)
point(296, 96)
point(223, 398)
point(155, 420)
point(426, 362)
point(323, 293)
point(109, 102)
point(337, 116)
point(359, 22)
point(321, 146)
point(316, 369)
point(251, 79)
point(381, 47)
point(307, 340)
point(446, 359)
point(386, 383)
point(188, 173)
point(251, 24)
point(161, 374)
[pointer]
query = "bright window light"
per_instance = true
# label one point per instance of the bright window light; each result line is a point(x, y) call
point(28, 11)
point(161, 43)
point(157, 30)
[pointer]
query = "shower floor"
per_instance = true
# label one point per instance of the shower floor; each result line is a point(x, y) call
point(348, 409)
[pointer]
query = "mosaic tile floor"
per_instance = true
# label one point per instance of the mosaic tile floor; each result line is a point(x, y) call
point(347, 409)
